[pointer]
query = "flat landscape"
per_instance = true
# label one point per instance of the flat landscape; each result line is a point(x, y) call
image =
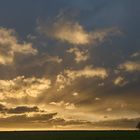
point(70, 135)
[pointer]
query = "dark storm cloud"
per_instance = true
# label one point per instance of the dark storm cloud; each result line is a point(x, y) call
point(18, 109)
point(23, 109)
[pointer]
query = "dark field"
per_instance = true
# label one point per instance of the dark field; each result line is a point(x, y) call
point(70, 135)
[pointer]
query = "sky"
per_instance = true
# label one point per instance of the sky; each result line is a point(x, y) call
point(69, 64)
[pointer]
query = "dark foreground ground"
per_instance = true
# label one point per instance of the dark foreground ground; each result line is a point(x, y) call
point(70, 135)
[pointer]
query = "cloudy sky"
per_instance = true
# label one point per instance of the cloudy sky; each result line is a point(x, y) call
point(69, 64)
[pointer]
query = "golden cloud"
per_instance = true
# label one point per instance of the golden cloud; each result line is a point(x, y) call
point(80, 55)
point(22, 87)
point(68, 76)
point(55, 59)
point(87, 72)
point(65, 105)
point(67, 32)
point(74, 33)
point(9, 45)
point(130, 66)
point(120, 81)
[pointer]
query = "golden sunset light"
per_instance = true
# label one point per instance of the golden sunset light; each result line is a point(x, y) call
point(69, 65)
